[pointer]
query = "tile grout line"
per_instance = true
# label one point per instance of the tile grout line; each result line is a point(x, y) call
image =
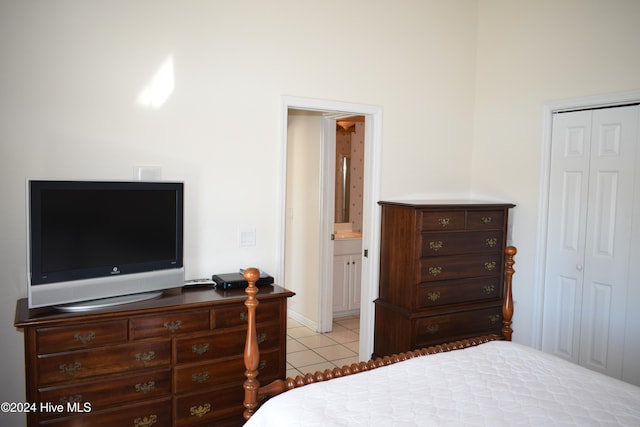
point(294, 370)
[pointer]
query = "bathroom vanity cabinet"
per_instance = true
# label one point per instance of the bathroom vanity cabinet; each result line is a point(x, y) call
point(347, 266)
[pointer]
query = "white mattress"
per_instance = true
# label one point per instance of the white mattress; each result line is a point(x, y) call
point(495, 384)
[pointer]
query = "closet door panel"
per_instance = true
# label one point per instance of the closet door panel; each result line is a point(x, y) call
point(605, 209)
point(566, 311)
point(630, 365)
point(568, 195)
point(608, 238)
point(596, 336)
point(573, 190)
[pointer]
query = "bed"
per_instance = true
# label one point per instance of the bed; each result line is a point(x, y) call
point(483, 381)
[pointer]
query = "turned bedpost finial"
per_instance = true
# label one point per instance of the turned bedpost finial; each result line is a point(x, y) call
point(251, 352)
point(507, 306)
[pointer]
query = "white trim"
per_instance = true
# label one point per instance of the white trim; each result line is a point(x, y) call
point(371, 210)
point(371, 222)
point(302, 320)
point(606, 100)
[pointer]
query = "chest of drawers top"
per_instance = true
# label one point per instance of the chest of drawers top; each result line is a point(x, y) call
point(453, 215)
point(197, 301)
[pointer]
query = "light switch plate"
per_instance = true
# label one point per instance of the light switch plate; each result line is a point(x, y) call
point(247, 236)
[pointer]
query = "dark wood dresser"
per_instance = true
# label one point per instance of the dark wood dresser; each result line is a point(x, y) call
point(441, 273)
point(173, 361)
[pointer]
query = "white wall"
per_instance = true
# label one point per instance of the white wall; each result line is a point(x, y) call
point(531, 53)
point(71, 72)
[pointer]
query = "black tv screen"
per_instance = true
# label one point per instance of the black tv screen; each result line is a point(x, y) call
point(93, 229)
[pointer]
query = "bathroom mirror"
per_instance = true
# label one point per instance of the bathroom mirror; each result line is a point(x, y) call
point(349, 171)
point(342, 188)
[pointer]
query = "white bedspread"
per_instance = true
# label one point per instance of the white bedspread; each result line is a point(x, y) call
point(495, 384)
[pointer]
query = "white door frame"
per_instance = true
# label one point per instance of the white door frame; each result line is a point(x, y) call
point(371, 212)
point(549, 109)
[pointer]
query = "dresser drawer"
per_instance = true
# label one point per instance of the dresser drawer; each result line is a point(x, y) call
point(436, 244)
point(178, 323)
point(439, 329)
point(224, 343)
point(209, 407)
point(435, 294)
point(58, 339)
point(115, 390)
point(158, 413)
point(223, 372)
point(484, 220)
point(100, 361)
point(237, 314)
point(444, 220)
point(460, 266)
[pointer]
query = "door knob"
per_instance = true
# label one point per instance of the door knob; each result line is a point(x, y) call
point(579, 267)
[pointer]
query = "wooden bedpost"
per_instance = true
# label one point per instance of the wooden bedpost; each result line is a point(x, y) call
point(251, 352)
point(507, 306)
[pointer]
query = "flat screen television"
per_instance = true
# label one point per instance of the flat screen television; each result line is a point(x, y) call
point(98, 243)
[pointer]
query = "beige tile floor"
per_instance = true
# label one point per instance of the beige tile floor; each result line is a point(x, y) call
point(309, 351)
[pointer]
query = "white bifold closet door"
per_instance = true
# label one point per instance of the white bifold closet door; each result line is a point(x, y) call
point(590, 285)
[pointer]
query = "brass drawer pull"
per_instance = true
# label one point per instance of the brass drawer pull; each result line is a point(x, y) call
point(70, 368)
point(244, 316)
point(486, 219)
point(173, 326)
point(146, 356)
point(71, 399)
point(85, 338)
point(145, 421)
point(200, 411)
point(433, 328)
point(435, 271)
point(433, 296)
point(492, 242)
point(200, 377)
point(435, 246)
point(494, 318)
point(444, 222)
point(489, 289)
point(489, 266)
point(200, 348)
point(146, 387)
point(261, 338)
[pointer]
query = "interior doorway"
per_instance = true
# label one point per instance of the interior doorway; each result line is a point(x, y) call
point(313, 283)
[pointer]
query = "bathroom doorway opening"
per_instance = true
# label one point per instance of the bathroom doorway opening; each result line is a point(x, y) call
point(312, 278)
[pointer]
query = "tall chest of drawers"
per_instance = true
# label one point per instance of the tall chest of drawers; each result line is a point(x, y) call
point(173, 361)
point(441, 273)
